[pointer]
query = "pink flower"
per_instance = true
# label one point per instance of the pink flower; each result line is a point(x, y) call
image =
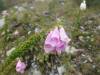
point(60, 47)
point(55, 37)
point(51, 41)
point(56, 41)
point(20, 67)
point(48, 47)
point(63, 35)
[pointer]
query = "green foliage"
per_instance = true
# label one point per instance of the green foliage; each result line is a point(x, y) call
point(32, 41)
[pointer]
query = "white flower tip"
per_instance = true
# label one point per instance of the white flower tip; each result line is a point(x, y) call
point(83, 5)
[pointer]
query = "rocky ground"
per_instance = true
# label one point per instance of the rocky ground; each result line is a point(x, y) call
point(28, 19)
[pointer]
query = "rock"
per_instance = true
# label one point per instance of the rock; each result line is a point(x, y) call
point(81, 38)
point(16, 33)
point(29, 32)
point(10, 51)
point(89, 22)
point(85, 61)
point(89, 59)
point(73, 50)
point(3, 33)
point(16, 7)
point(94, 66)
point(5, 13)
point(2, 61)
point(37, 30)
point(61, 70)
point(21, 9)
point(32, 7)
point(2, 22)
point(36, 72)
point(98, 27)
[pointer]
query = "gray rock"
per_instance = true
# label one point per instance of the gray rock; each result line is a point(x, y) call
point(10, 51)
point(2, 22)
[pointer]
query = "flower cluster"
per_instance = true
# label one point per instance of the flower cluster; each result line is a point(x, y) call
point(56, 41)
